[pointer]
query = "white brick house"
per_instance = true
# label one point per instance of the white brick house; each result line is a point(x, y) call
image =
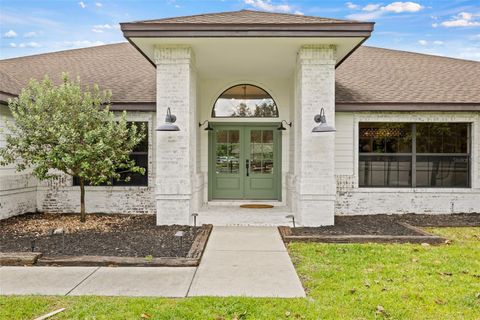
point(407, 136)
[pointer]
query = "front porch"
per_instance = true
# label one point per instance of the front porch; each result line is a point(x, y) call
point(245, 86)
point(229, 213)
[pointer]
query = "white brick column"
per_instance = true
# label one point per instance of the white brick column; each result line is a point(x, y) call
point(175, 150)
point(314, 197)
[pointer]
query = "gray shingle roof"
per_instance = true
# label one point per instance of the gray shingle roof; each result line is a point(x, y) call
point(375, 75)
point(118, 67)
point(369, 75)
point(246, 17)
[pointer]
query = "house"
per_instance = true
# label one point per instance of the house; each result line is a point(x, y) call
point(407, 125)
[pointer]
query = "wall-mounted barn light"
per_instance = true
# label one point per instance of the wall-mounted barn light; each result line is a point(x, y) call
point(208, 128)
point(322, 120)
point(282, 127)
point(169, 123)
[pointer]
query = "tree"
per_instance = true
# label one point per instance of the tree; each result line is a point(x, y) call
point(67, 129)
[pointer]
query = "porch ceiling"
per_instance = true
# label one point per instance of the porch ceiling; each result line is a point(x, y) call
point(243, 57)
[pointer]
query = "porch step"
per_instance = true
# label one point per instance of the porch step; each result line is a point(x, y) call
point(236, 216)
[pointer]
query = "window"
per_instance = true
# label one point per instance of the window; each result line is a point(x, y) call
point(428, 155)
point(245, 101)
point(140, 155)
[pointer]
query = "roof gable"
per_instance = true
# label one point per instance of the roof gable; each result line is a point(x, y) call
point(246, 17)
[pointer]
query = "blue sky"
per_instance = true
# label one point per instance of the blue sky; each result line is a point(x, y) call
point(450, 28)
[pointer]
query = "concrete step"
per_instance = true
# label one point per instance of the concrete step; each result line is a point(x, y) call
point(236, 216)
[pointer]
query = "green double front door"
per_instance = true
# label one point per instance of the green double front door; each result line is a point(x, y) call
point(244, 162)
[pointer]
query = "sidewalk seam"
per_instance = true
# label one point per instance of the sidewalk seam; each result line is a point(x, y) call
point(78, 284)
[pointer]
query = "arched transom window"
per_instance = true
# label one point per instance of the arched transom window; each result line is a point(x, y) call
point(245, 101)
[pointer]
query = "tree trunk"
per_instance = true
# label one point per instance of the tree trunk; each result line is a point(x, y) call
point(83, 216)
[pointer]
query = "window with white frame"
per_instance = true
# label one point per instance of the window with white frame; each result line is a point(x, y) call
point(429, 155)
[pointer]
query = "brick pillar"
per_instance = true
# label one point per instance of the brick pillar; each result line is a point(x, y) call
point(314, 196)
point(175, 151)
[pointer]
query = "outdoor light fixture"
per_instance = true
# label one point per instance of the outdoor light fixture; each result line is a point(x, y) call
point(208, 128)
point(282, 127)
point(169, 123)
point(322, 120)
point(195, 215)
point(291, 216)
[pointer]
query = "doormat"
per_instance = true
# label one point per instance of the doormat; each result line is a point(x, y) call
point(256, 206)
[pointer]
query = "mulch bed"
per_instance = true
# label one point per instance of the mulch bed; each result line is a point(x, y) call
point(380, 228)
point(382, 224)
point(102, 235)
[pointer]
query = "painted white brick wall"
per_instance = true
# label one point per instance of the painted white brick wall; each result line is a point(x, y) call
point(17, 189)
point(354, 200)
point(314, 195)
point(176, 154)
point(21, 192)
point(60, 196)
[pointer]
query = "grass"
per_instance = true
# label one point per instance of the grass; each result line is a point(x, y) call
point(343, 281)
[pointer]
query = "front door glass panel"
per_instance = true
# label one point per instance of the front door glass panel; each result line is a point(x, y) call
point(244, 162)
point(228, 151)
point(261, 151)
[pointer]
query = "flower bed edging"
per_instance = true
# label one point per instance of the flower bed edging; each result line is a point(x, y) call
point(191, 260)
point(423, 237)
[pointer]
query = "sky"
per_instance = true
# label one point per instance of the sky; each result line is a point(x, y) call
point(449, 28)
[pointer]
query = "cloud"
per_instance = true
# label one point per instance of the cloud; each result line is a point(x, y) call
point(375, 10)
point(10, 34)
point(371, 7)
point(24, 19)
point(427, 43)
point(82, 43)
point(352, 6)
point(365, 16)
point(12, 45)
point(29, 45)
point(463, 19)
point(268, 6)
point(98, 4)
point(300, 13)
point(30, 34)
point(82, 4)
point(399, 7)
point(100, 28)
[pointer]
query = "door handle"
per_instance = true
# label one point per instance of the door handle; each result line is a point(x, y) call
point(247, 166)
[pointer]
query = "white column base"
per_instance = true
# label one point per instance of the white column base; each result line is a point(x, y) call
point(316, 212)
point(173, 211)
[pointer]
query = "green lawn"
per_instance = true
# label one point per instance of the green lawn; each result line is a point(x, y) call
point(343, 281)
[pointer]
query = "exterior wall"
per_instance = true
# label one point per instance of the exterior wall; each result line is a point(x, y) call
point(351, 199)
point(21, 192)
point(60, 196)
point(17, 189)
point(313, 196)
point(176, 183)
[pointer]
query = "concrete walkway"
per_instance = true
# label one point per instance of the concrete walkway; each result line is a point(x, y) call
point(238, 261)
point(246, 261)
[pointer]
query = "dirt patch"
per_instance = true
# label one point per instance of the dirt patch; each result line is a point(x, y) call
point(387, 224)
point(102, 235)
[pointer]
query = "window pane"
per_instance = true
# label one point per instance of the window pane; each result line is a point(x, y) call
point(143, 145)
point(140, 156)
point(136, 179)
point(385, 137)
point(443, 171)
point(385, 171)
point(442, 138)
point(228, 151)
point(245, 101)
